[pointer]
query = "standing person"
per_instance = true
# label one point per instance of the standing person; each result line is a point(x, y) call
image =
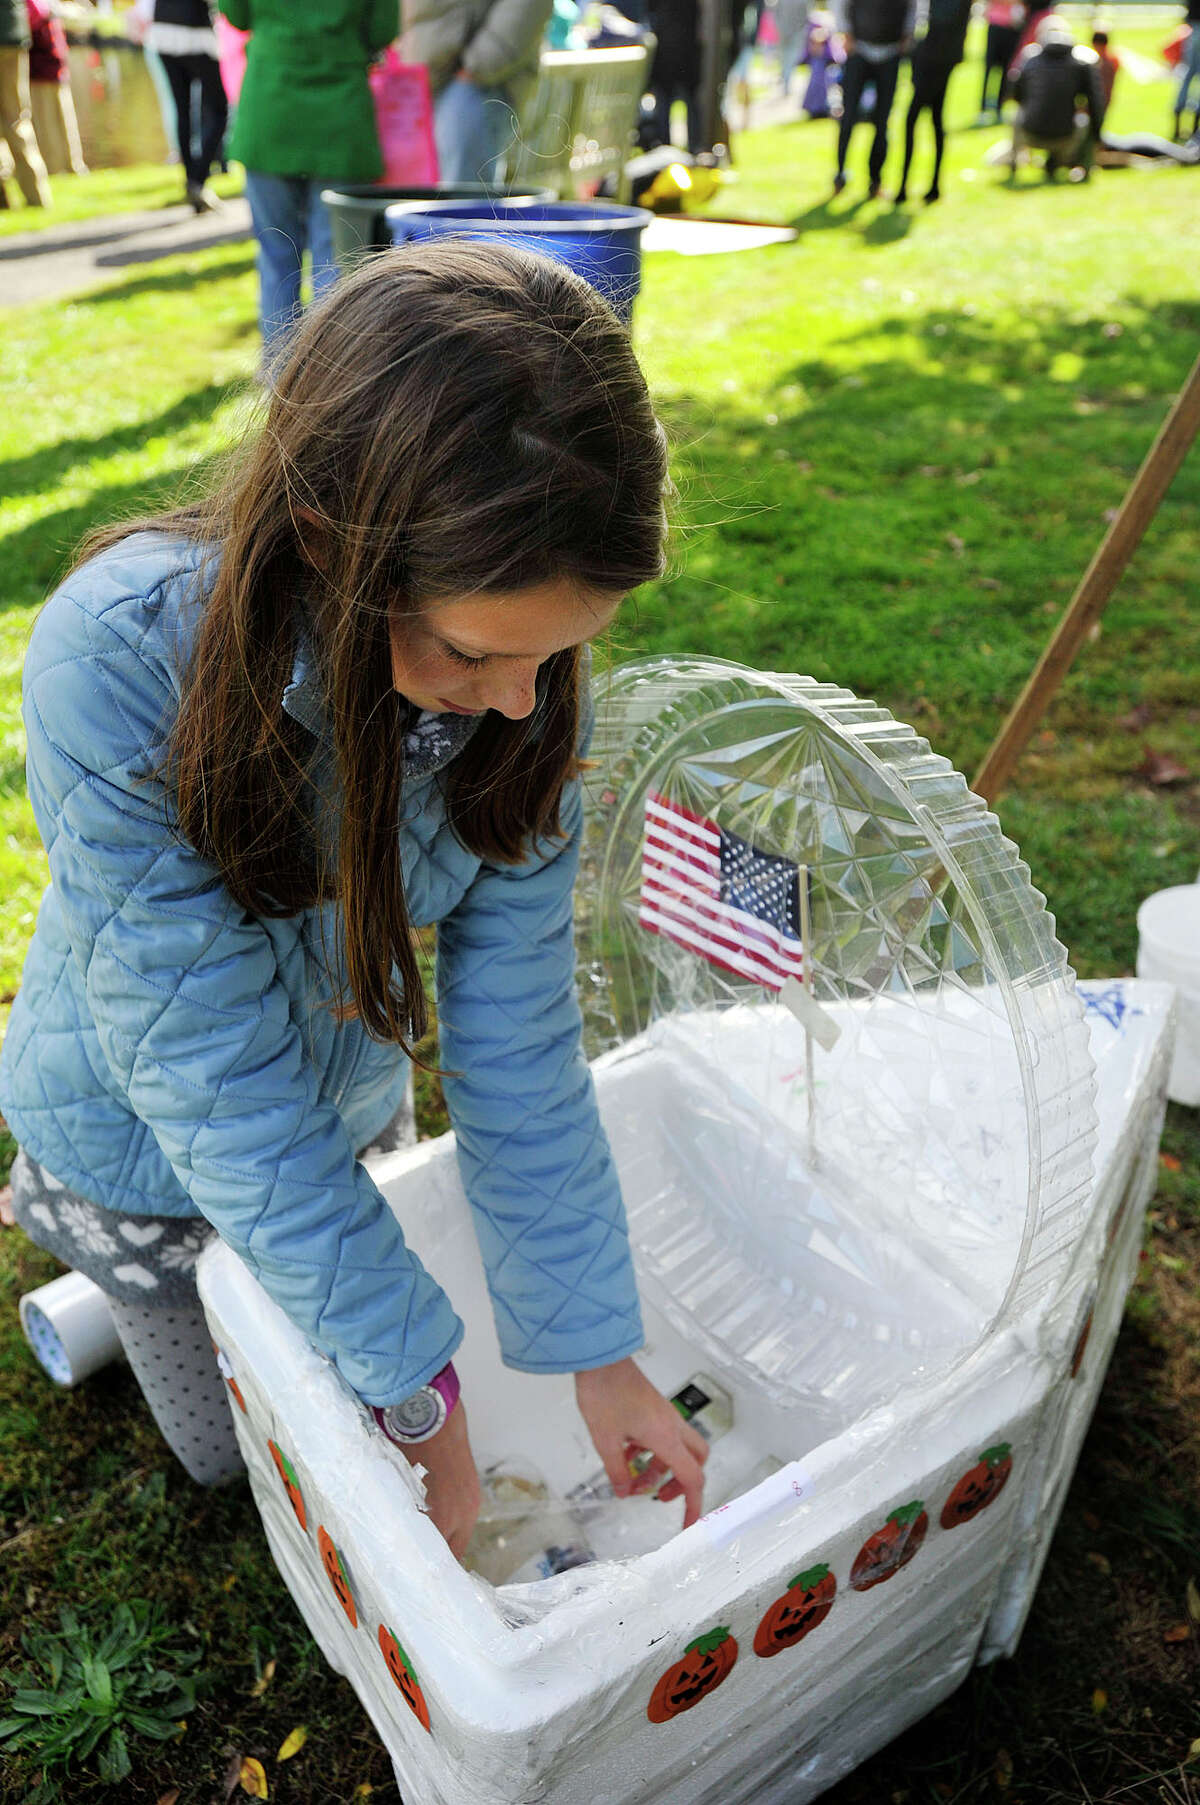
point(675, 73)
point(1189, 72)
point(1053, 76)
point(937, 54)
point(16, 123)
point(791, 20)
point(52, 102)
point(1109, 64)
point(181, 31)
point(482, 58)
point(1004, 21)
point(267, 733)
point(876, 34)
point(305, 121)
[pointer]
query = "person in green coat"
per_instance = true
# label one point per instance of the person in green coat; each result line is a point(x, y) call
point(305, 120)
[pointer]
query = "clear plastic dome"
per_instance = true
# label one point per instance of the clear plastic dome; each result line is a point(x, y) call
point(848, 1080)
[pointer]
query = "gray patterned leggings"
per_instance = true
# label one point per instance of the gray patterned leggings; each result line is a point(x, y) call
point(171, 1354)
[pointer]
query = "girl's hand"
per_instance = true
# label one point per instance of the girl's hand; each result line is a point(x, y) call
point(619, 1405)
point(451, 1482)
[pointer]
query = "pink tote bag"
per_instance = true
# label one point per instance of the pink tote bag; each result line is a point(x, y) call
point(404, 114)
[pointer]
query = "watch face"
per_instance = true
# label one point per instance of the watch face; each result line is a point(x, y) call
point(416, 1416)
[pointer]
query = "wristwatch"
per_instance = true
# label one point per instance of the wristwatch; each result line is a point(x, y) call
point(423, 1412)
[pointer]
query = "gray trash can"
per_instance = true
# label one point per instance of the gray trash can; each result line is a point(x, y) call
point(357, 209)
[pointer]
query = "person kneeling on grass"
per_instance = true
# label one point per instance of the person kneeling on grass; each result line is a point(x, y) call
point(1052, 76)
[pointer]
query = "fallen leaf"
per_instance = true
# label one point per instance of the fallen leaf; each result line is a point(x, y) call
point(229, 1582)
point(363, 1790)
point(1169, 1161)
point(1094, 631)
point(292, 1743)
point(252, 1778)
point(1091, 1520)
point(1003, 1769)
point(1050, 608)
point(263, 1681)
point(1178, 1632)
point(989, 583)
point(1099, 1701)
point(168, 1798)
point(957, 546)
point(233, 1773)
point(7, 1219)
point(930, 470)
point(1193, 1753)
point(1110, 514)
point(1102, 1562)
point(1160, 769)
point(1137, 718)
point(1193, 1600)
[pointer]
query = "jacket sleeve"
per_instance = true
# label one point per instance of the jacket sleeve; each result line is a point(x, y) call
point(383, 24)
point(534, 1158)
point(506, 40)
point(198, 1029)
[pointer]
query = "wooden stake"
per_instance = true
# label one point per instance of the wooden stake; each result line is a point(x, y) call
point(1151, 483)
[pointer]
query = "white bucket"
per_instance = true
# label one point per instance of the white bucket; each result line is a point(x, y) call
point(1169, 948)
point(69, 1326)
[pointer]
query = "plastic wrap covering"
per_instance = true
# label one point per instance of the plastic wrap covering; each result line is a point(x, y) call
point(885, 1182)
point(858, 1122)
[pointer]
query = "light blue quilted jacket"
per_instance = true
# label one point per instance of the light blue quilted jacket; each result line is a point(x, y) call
point(169, 1054)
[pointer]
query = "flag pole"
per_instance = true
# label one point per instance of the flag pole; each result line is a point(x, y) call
point(806, 950)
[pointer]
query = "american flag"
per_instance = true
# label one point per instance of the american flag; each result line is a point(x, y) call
point(719, 896)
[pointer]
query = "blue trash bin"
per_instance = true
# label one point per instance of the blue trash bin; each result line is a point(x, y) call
point(600, 241)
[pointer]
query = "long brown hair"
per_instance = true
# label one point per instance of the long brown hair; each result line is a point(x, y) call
point(454, 418)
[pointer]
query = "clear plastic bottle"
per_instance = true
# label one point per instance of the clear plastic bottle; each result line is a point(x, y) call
point(523, 1531)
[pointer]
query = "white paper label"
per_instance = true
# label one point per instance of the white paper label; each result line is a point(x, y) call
point(789, 1486)
point(809, 1013)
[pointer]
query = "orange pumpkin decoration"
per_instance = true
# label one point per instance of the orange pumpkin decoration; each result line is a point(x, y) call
point(226, 1371)
point(401, 1670)
point(291, 1484)
point(976, 1489)
point(891, 1547)
point(706, 1664)
point(807, 1602)
point(331, 1560)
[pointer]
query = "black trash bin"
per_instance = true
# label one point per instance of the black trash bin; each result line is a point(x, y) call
point(357, 209)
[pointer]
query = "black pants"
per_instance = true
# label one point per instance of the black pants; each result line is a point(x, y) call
point(930, 81)
point(855, 76)
point(182, 71)
point(1002, 41)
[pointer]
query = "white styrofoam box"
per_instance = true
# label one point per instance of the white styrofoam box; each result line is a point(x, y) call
point(543, 1691)
point(1169, 949)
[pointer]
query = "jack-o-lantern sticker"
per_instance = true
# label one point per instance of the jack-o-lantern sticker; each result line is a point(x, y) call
point(706, 1663)
point(336, 1573)
point(225, 1368)
point(401, 1670)
point(891, 1547)
point(797, 1612)
point(291, 1484)
point(978, 1487)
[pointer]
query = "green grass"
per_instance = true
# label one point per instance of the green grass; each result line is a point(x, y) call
point(102, 194)
point(896, 442)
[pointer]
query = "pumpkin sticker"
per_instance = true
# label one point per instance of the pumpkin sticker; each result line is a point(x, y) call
point(891, 1547)
point(401, 1670)
point(331, 1560)
point(976, 1489)
point(807, 1602)
point(706, 1663)
point(226, 1371)
point(291, 1484)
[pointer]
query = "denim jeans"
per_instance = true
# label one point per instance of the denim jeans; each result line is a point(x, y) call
point(473, 128)
point(289, 218)
point(856, 75)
